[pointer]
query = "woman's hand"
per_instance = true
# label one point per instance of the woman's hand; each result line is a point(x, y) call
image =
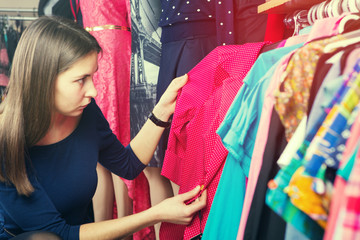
point(145, 142)
point(166, 105)
point(174, 210)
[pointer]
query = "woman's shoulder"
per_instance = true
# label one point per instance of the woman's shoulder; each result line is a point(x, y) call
point(92, 108)
point(93, 115)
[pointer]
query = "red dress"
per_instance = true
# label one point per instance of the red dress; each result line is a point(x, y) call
point(112, 80)
point(109, 22)
point(195, 154)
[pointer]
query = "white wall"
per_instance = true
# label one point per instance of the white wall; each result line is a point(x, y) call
point(19, 3)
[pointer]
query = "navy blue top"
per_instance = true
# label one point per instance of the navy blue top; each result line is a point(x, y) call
point(64, 177)
point(177, 11)
point(181, 19)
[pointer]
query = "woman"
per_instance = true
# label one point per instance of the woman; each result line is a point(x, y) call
point(52, 134)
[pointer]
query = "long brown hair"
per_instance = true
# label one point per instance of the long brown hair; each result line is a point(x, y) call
point(49, 46)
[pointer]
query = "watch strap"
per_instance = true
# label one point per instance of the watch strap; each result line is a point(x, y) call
point(158, 122)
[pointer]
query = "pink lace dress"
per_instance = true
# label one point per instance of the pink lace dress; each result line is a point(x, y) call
point(109, 22)
point(112, 79)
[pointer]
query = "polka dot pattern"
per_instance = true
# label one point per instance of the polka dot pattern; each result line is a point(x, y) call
point(181, 11)
point(195, 154)
point(176, 11)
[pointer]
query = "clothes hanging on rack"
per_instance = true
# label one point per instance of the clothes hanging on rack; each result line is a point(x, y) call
point(9, 38)
point(337, 211)
point(195, 155)
point(276, 196)
point(4, 62)
point(13, 37)
point(255, 161)
point(343, 175)
point(301, 83)
point(281, 211)
point(4, 66)
point(308, 160)
point(238, 132)
point(189, 33)
point(191, 30)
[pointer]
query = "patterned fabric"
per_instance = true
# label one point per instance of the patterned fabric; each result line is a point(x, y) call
point(238, 132)
point(207, 11)
point(327, 81)
point(328, 144)
point(314, 199)
point(178, 58)
point(341, 179)
point(4, 64)
point(345, 218)
point(293, 93)
point(260, 143)
point(225, 22)
point(178, 11)
point(351, 224)
point(277, 196)
point(112, 80)
point(195, 153)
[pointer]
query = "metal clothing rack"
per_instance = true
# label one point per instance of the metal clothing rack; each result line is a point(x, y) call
point(18, 10)
point(15, 11)
point(21, 18)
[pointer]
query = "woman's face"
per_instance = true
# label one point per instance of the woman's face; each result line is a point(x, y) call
point(74, 88)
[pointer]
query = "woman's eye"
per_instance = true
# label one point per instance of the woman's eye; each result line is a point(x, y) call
point(81, 81)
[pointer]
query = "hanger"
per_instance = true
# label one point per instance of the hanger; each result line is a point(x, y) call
point(341, 44)
point(354, 6)
point(345, 20)
point(350, 38)
point(297, 20)
point(325, 9)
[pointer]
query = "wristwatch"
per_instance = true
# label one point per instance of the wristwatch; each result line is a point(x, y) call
point(158, 122)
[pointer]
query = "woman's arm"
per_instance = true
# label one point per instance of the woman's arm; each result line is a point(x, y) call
point(173, 210)
point(145, 142)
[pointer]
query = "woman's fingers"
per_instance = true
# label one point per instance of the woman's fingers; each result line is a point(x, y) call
point(199, 202)
point(179, 82)
point(190, 194)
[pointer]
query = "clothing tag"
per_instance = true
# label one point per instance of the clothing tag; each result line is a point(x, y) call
point(197, 237)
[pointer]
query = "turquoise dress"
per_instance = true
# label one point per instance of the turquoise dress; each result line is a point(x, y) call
point(238, 132)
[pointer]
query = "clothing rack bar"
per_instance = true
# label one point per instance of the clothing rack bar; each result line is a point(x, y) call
point(16, 10)
point(22, 18)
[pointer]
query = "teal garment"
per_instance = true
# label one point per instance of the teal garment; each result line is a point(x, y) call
point(305, 30)
point(345, 170)
point(239, 127)
point(225, 213)
point(238, 132)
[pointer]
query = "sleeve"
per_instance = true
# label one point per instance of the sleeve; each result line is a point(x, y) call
point(36, 212)
point(118, 159)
